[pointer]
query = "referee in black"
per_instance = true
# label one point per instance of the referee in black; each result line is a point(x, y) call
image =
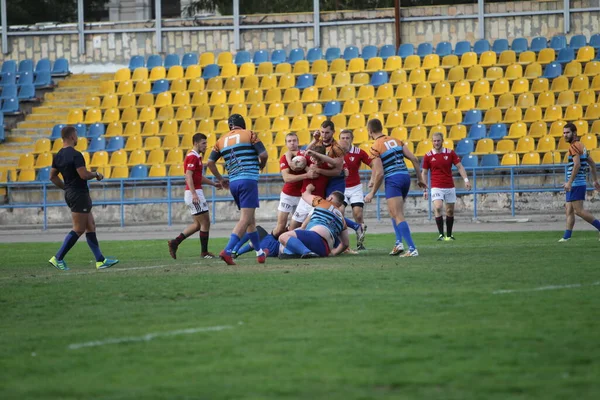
point(71, 165)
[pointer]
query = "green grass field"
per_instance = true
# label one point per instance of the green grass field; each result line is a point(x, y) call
point(353, 327)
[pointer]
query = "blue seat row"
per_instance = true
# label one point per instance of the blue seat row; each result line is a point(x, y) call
point(60, 67)
point(38, 79)
point(10, 106)
point(23, 92)
point(83, 130)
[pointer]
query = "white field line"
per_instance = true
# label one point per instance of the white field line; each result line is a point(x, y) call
point(147, 337)
point(544, 288)
point(93, 271)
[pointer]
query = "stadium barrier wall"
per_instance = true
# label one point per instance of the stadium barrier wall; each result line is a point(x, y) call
point(496, 191)
point(116, 42)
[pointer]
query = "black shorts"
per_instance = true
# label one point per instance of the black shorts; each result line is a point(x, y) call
point(78, 202)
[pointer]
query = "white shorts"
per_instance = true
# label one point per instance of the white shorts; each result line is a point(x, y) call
point(354, 195)
point(287, 203)
point(199, 208)
point(302, 211)
point(447, 195)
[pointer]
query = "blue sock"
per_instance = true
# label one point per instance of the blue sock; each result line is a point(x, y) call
point(242, 242)
point(596, 224)
point(287, 251)
point(233, 240)
point(296, 246)
point(92, 241)
point(255, 240)
point(244, 250)
point(567, 234)
point(351, 224)
point(403, 227)
point(397, 231)
point(69, 242)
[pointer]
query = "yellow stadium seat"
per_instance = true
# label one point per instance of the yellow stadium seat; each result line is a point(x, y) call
point(157, 171)
point(595, 130)
point(347, 92)
point(176, 170)
point(427, 104)
point(206, 58)
point(360, 78)
point(152, 142)
point(276, 110)
point(493, 116)
point(385, 91)
point(519, 86)
point(517, 130)
point(389, 105)
point(532, 114)
point(206, 126)
point(301, 67)
point(56, 146)
point(369, 106)
point(431, 61)
point(422, 90)
point(439, 129)
point(107, 87)
point(482, 86)
point(500, 87)
point(417, 75)
point(423, 147)
point(283, 68)
point(199, 98)
point(538, 129)
point(99, 159)
point(165, 113)
point(43, 145)
point(560, 84)
point(365, 92)
point(589, 141)
point(400, 133)
point(266, 138)
point(433, 118)
point(446, 103)
point(461, 88)
point(143, 86)
point(262, 124)
point(546, 144)
point(319, 66)
point(572, 69)
point(268, 82)
point(188, 126)
point(156, 156)
point(562, 146)
point(356, 121)
point(254, 96)
point(540, 85)
point(412, 62)
point(592, 112)
point(232, 83)
point(170, 142)
point(93, 115)
point(181, 99)
point(551, 157)
point(466, 102)
point(350, 107)
point(118, 157)
point(215, 83)
point(408, 104)
point(399, 76)
point(43, 160)
point(224, 58)
point(592, 68)
point(392, 64)
point(507, 58)
point(533, 71)
point(123, 74)
point(526, 100)
point(494, 73)
point(475, 73)
point(112, 115)
point(299, 123)
point(127, 87)
point(457, 132)
point(94, 102)
point(531, 158)
point(136, 157)
point(218, 97)
point(553, 113)
point(129, 114)
point(456, 74)
point(281, 123)
point(82, 144)
point(287, 81)
point(513, 114)
point(374, 64)
point(505, 146)
point(265, 68)
point(309, 95)
point(579, 83)
point(75, 116)
point(158, 73)
point(527, 57)
point(151, 128)
point(565, 98)
point(337, 65)
point(149, 114)
point(175, 72)
point(403, 91)
point(328, 93)
point(508, 100)
point(356, 65)
point(442, 89)
point(487, 59)
point(236, 97)
point(251, 82)
point(484, 146)
point(586, 97)
point(342, 79)
point(112, 100)
point(453, 117)
point(585, 54)
point(546, 56)
point(26, 175)
point(272, 95)
point(413, 118)
point(510, 159)
point(468, 59)
point(140, 74)
point(450, 61)
point(417, 134)
point(247, 69)
point(556, 128)
point(294, 108)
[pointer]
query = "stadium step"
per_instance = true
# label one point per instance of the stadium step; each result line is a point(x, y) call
point(50, 109)
point(37, 124)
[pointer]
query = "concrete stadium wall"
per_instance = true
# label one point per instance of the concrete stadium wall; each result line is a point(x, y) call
point(118, 48)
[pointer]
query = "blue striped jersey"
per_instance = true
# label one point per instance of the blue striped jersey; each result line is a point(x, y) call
point(240, 149)
point(577, 148)
point(391, 152)
point(327, 215)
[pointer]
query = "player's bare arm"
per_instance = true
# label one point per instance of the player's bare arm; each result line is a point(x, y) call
point(262, 159)
point(89, 175)
point(189, 179)
point(336, 163)
point(463, 173)
point(576, 167)
point(415, 161)
point(288, 177)
point(376, 178)
point(424, 173)
point(211, 164)
point(56, 180)
point(344, 243)
point(307, 196)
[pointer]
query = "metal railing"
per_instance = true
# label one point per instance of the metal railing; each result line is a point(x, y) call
point(123, 192)
point(236, 26)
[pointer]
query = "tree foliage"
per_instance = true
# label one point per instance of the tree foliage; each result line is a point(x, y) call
point(28, 12)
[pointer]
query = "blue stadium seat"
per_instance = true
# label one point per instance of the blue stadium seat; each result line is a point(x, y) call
point(278, 57)
point(552, 70)
point(538, 44)
point(116, 143)
point(305, 81)
point(314, 54)
point(160, 86)
point(96, 130)
point(138, 172)
point(189, 59)
point(519, 45)
point(43, 79)
point(9, 66)
point(43, 174)
point(558, 42)
point(369, 52)
point(464, 147)
point(81, 129)
point(406, 49)
point(154, 60)
point(332, 108)
point(595, 41)
point(379, 78)
point(8, 78)
point(2, 135)
point(26, 92)
point(350, 52)
point(424, 49)
point(481, 46)
point(500, 45)
point(10, 106)
point(386, 51)
point(332, 53)
point(25, 78)
point(61, 67)
point(9, 91)
point(477, 131)
point(566, 55)
point(43, 65)
point(96, 144)
point(468, 160)
point(472, 117)
point(497, 131)
point(490, 160)
point(134, 62)
point(577, 42)
point(210, 71)
point(242, 57)
point(171, 60)
point(462, 48)
point(443, 49)
point(260, 56)
point(25, 66)
point(56, 131)
point(296, 55)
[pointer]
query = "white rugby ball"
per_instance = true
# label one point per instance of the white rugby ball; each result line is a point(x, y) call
point(298, 163)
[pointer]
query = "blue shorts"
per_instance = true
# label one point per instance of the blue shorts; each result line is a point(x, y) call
point(270, 243)
point(397, 185)
point(313, 241)
point(576, 193)
point(335, 183)
point(245, 193)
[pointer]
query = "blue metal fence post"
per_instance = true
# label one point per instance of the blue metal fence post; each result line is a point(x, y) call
point(378, 206)
point(45, 204)
point(122, 190)
point(429, 190)
point(169, 201)
point(512, 190)
point(474, 190)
